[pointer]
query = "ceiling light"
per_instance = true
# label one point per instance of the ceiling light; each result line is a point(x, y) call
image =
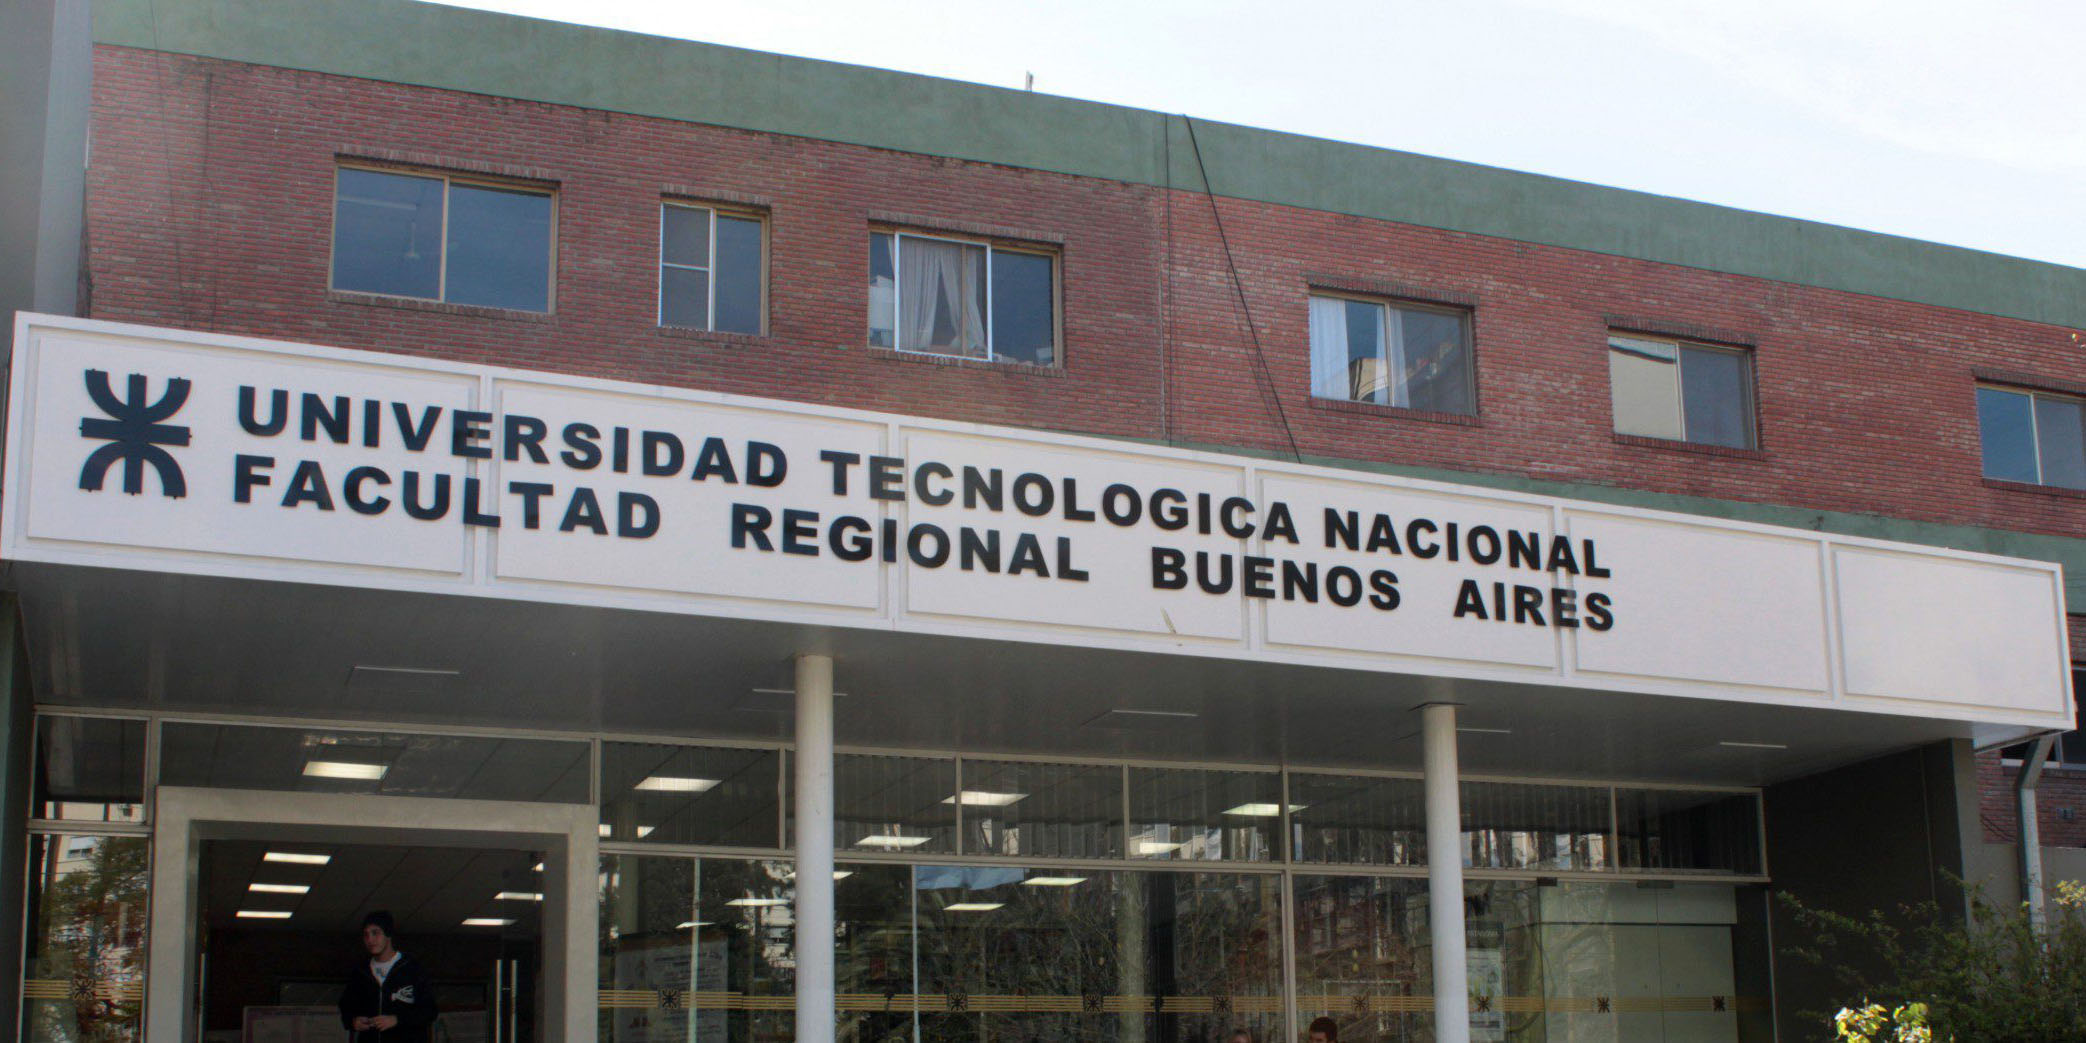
point(518, 896)
point(758, 903)
point(1755, 745)
point(1486, 731)
point(686, 924)
point(972, 907)
point(886, 840)
point(296, 858)
point(263, 914)
point(606, 829)
point(279, 889)
point(1159, 847)
point(842, 874)
point(354, 770)
point(645, 831)
point(1261, 810)
point(487, 921)
point(539, 867)
point(675, 784)
point(1054, 881)
point(979, 798)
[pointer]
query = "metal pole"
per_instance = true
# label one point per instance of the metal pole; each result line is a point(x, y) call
point(814, 764)
point(1445, 873)
point(2031, 833)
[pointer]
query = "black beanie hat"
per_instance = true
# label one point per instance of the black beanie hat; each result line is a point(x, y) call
point(382, 918)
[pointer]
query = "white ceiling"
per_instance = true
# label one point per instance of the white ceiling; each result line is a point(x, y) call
point(116, 638)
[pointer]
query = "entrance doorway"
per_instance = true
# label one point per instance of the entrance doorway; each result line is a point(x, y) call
point(279, 934)
point(495, 899)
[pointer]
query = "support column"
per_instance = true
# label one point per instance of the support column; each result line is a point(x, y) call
point(2031, 833)
point(814, 798)
point(1445, 874)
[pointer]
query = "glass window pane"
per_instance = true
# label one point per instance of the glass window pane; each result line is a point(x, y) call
point(1517, 826)
point(321, 760)
point(1368, 377)
point(942, 306)
point(499, 248)
point(1329, 347)
point(739, 274)
point(1435, 356)
point(1716, 397)
point(387, 233)
point(1023, 315)
point(690, 794)
point(883, 292)
point(1189, 813)
point(648, 943)
point(2006, 428)
point(893, 804)
point(1362, 956)
point(84, 962)
point(2060, 435)
point(684, 298)
point(1685, 830)
point(1336, 818)
point(745, 942)
point(684, 236)
point(1044, 810)
point(89, 769)
point(1644, 384)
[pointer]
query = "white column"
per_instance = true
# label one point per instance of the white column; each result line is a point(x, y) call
point(1445, 874)
point(2030, 833)
point(814, 766)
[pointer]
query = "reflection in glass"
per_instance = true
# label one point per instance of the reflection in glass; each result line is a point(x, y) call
point(1517, 826)
point(1354, 819)
point(1042, 810)
point(1688, 830)
point(2060, 434)
point(325, 760)
point(1362, 956)
point(893, 804)
point(665, 794)
point(1716, 396)
point(499, 248)
point(1024, 313)
point(1644, 387)
point(2006, 428)
point(1435, 361)
point(1191, 813)
point(84, 961)
point(387, 233)
point(89, 769)
point(739, 271)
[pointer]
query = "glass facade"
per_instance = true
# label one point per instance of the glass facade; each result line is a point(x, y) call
point(993, 898)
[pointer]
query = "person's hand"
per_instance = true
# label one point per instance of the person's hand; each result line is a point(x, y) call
point(362, 1024)
point(383, 1022)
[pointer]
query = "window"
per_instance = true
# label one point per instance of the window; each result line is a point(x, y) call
point(1403, 355)
point(2069, 750)
point(967, 299)
point(1683, 392)
point(2033, 437)
point(709, 269)
point(441, 238)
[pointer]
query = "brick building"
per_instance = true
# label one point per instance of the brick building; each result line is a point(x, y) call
point(1716, 400)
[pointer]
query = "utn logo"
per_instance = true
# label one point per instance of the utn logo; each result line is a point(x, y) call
point(135, 434)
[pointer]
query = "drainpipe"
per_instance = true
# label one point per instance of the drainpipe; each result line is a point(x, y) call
point(2031, 834)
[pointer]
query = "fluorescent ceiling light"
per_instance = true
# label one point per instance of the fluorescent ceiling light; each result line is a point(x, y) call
point(1159, 847)
point(1054, 881)
point(972, 907)
point(881, 840)
point(758, 903)
point(518, 896)
point(1262, 810)
point(1755, 745)
point(675, 784)
point(686, 924)
point(296, 858)
point(539, 867)
point(842, 874)
point(487, 921)
point(263, 914)
point(355, 770)
point(645, 831)
point(980, 798)
point(279, 889)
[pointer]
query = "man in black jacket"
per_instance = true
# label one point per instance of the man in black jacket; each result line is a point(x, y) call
point(389, 999)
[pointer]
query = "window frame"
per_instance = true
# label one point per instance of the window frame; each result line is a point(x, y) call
point(2035, 435)
point(449, 180)
point(991, 246)
point(1467, 319)
point(715, 210)
point(1749, 406)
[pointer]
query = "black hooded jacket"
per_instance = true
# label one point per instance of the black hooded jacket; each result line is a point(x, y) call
point(406, 994)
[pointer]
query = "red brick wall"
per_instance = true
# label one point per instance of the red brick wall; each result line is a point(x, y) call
point(209, 206)
point(2062, 791)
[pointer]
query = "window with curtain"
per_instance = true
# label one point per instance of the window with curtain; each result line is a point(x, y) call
point(967, 299)
point(1685, 392)
point(1410, 356)
point(710, 268)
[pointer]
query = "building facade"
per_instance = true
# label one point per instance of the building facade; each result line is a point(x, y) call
point(515, 473)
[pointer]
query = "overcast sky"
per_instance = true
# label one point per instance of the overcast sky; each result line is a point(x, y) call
point(1948, 120)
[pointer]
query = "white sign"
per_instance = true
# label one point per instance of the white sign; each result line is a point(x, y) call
point(184, 452)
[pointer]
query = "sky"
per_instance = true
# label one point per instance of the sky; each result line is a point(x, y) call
point(1955, 122)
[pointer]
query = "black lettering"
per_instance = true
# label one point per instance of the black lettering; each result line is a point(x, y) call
point(1564, 607)
point(314, 415)
point(1259, 576)
point(1561, 557)
point(1170, 509)
point(466, 427)
point(278, 412)
point(1236, 516)
point(1528, 605)
point(1488, 552)
point(308, 485)
point(931, 497)
point(619, 450)
point(1383, 535)
point(916, 541)
point(856, 549)
point(372, 422)
point(1385, 584)
point(841, 462)
point(661, 453)
point(1073, 511)
point(1279, 526)
point(1413, 529)
point(751, 521)
point(1598, 617)
point(428, 511)
point(1065, 569)
point(584, 511)
point(637, 516)
point(1343, 586)
point(1469, 602)
point(983, 487)
point(351, 490)
point(524, 435)
point(1039, 496)
point(799, 531)
point(766, 464)
point(714, 461)
point(886, 478)
point(1300, 578)
point(246, 474)
point(1593, 565)
point(416, 436)
point(1219, 584)
point(472, 515)
point(1028, 557)
point(584, 453)
point(1121, 505)
point(532, 494)
point(1449, 539)
point(1524, 550)
point(1168, 566)
point(1343, 528)
point(976, 548)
